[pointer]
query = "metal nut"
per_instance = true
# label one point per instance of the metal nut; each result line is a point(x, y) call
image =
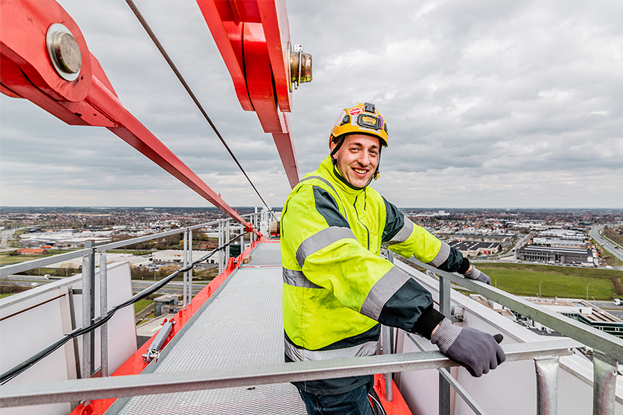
point(300, 66)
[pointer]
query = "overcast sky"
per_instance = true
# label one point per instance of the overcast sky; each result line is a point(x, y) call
point(501, 104)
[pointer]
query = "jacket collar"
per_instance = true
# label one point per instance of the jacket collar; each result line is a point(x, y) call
point(328, 170)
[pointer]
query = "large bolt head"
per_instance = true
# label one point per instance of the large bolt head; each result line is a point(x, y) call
point(67, 52)
point(64, 52)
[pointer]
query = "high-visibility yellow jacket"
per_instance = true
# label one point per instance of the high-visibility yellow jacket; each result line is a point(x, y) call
point(336, 287)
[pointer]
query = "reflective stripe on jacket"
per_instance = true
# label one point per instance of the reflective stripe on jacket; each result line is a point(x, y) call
point(336, 287)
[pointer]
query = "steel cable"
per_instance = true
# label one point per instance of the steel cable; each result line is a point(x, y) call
point(166, 57)
point(32, 360)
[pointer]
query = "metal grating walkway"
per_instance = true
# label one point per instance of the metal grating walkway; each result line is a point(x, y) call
point(241, 326)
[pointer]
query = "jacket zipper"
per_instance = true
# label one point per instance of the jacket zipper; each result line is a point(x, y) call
point(360, 221)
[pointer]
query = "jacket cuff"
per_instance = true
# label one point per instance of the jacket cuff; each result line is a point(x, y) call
point(427, 322)
point(464, 266)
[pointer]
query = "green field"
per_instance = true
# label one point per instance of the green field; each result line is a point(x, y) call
point(141, 304)
point(553, 285)
point(6, 258)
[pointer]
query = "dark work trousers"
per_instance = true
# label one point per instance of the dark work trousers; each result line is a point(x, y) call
point(355, 402)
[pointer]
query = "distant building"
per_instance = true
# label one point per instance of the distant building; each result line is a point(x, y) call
point(32, 251)
point(583, 312)
point(208, 245)
point(474, 248)
point(560, 243)
point(556, 255)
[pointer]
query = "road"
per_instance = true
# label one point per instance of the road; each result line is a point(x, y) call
point(5, 235)
point(594, 233)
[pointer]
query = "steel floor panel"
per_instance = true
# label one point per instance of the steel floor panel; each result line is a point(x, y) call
point(269, 254)
point(242, 326)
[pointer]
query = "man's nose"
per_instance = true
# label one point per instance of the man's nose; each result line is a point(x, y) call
point(364, 158)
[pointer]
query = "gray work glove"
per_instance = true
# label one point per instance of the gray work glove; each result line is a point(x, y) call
point(478, 275)
point(476, 351)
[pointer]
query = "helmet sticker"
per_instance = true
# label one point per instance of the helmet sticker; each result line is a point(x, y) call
point(355, 111)
point(338, 122)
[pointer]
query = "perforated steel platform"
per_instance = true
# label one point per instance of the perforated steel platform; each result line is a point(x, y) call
point(241, 326)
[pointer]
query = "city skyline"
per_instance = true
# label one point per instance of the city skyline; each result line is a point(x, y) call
point(489, 105)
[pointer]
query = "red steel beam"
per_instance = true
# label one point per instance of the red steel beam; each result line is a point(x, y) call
point(26, 71)
point(253, 37)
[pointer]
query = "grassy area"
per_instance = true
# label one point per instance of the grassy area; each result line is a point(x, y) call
point(4, 295)
point(523, 282)
point(565, 282)
point(141, 304)
point(6, 258)
point(562, 270)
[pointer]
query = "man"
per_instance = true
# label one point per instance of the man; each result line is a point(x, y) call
point(337, 288)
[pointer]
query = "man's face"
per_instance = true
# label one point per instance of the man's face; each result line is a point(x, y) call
point(357, 158)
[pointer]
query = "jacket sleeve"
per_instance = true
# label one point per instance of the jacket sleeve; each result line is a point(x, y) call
point(405, 238)
point(318, 243)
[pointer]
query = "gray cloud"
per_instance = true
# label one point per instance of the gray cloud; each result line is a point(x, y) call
point(489, 103)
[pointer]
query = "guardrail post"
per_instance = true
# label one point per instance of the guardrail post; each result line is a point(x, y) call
point(190, 261)
point(88, 292)
point(388, 336)
point(604, 383)
point(103, 312)
point(227, 239)
point(444, 308)
point(220, 243)
point(185, 277)
point(547, 385)
point(387, 349)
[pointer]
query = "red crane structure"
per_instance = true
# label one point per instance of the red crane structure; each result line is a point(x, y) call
point(45, 59)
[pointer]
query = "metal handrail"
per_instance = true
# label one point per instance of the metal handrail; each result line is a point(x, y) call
point(41, 262)
point(606, 343)
point(156, 383)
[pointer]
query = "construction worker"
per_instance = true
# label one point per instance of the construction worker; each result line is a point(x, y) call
point(337, 289)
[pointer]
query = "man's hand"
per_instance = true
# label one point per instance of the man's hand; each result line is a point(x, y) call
point(475, 350)
point(474, 274)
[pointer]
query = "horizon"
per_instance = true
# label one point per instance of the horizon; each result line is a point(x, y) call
point(281, 207)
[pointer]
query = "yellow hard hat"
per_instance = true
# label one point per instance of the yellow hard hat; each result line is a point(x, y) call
point(363, 119)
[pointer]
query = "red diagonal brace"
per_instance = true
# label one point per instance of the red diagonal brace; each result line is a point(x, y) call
point(26, 71)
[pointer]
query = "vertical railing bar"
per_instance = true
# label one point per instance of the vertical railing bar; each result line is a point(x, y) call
point(604, 384)
point(453, 382)
point(220, 243)
point(87, 308)
point(190, 260)
point(103, 312)
point(185, 276)
point(86, 339)
point(387, 349)
point(91, 244)
point(444, 386)
point(227, 239)
point(547, 385)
